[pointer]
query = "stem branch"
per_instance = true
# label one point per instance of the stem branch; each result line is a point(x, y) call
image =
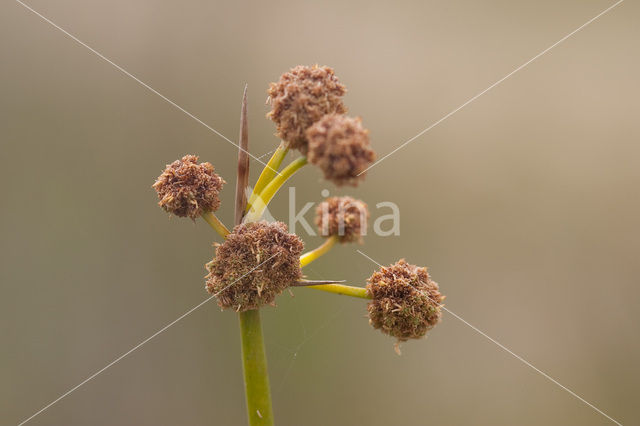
point(345, 290)
point(262, 200)
point(312, 255)
point(269, 171)
point(215, 223)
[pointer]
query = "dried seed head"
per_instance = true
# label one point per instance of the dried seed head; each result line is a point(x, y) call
point(340, 146)
point(301, 97)
point(187, 188)
point(345, 217)
point(256, 262)
point(406, 303)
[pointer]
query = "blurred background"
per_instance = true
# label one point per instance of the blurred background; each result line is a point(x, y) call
point(524, 205)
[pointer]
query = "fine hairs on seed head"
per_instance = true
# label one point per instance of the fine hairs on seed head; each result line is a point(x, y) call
point(187, 189)
point(344, 217)
point(406, 303)
point(260, 259)
point(302, 96)
point(340, 147)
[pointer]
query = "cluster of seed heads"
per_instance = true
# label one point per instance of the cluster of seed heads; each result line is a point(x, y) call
point(259, 260)
point(307, 107)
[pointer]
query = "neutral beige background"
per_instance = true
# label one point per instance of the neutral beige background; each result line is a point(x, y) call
point(524, 205)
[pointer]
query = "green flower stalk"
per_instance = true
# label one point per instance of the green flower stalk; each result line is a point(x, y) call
point(314, 254)
point(215, 223)
point(263, 198)
point(269, 172)
point(345, 290)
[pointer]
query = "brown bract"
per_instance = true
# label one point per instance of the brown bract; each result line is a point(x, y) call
point(406, 303)
point(187, 188)
point(256, 262)
point(340, 146)
point(345, 217)
point(301, 97)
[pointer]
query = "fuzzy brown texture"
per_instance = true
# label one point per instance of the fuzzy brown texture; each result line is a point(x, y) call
point(301, 97)
point(406, 303)
point(256, 262)
point(187, 188)
point(345, 217)
point(340, 146)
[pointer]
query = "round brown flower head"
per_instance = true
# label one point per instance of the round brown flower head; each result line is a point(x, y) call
point(256, 262)
point(301, 97)
point(406, 303)
point(345, 217)
point(187, 188)
point(340, 146)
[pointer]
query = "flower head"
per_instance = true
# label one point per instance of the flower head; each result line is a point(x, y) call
point(345, 217)
point(340, 146)
point(187, 188)
point(256, 262)
point(301, 97)
point(406, 303)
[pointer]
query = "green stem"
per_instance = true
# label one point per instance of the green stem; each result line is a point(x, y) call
point(312, 255)
point(254, 360)
point(345, 290)
point(269, 171)
point(262, 200)
point(215, 223)
point(256, 377)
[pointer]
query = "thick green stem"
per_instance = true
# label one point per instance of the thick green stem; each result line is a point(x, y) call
point(254, 360)
point(256, 377)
